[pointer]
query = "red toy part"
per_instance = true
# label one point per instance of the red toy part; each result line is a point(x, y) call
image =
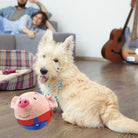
point(8, 71)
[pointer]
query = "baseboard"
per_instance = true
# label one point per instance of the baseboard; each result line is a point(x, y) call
point(90, 58)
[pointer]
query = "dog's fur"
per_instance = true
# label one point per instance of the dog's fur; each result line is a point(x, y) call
point(84, 103)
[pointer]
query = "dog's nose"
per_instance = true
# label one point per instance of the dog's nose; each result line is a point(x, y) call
point(43, 71)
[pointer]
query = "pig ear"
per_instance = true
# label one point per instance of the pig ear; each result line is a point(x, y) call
point(13, 102)
point(52, 102)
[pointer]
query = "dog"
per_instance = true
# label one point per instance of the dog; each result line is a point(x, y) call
point(84, 103)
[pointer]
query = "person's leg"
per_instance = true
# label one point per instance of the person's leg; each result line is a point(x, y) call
point(1, 25)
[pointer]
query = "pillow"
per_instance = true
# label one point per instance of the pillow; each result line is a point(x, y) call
point(49, 15)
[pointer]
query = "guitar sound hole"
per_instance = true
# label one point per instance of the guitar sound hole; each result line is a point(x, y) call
point(119, 40)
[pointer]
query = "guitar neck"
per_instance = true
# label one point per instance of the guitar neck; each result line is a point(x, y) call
point(134, 29)
point(126, 23)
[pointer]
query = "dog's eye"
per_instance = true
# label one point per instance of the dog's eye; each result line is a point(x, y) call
point(35, 98)
point(44, 56)
point(56, 60)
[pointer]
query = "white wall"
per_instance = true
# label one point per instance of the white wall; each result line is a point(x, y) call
point(91, 20)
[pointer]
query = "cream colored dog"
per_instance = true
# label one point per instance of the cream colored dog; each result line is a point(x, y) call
point(84, 103)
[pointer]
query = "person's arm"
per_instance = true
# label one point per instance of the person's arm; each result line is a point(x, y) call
point(4, 11)
point(7, 12)
point(49, 25)
point(24, 24)
point(30, 33)
point(1, 12)
point(42, 7)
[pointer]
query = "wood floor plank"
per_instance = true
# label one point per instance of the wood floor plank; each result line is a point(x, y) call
point(121, 78)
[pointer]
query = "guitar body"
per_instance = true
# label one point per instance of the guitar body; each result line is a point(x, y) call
point(130, 49)
point(112, 48)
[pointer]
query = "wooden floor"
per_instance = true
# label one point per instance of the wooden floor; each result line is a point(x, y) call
point(121, 78)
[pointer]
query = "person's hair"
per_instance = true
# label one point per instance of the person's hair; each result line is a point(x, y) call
point(44, 17)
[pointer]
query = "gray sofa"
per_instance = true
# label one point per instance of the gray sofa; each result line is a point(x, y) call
point(23, 42)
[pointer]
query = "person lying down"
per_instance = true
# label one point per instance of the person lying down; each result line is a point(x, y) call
point(25, 25)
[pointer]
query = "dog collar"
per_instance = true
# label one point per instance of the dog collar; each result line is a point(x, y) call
point(42, 118)
point(60, 85)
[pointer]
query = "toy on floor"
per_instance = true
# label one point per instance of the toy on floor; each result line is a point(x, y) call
point(33, 110)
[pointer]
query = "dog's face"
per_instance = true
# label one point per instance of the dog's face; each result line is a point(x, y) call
point(53, 58)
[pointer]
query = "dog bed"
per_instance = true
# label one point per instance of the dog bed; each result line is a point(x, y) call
point(24, 76)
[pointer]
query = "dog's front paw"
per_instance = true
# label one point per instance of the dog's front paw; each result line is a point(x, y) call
point(58, 109)
point(67, 118)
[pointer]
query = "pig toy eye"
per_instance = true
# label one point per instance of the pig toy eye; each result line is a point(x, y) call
point(35, 98)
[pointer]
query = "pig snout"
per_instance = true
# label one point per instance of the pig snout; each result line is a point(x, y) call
point(23, 103)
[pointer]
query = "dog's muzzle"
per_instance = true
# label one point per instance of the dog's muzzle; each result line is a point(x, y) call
point(43, 78)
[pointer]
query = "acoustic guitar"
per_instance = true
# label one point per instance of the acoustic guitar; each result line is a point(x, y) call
point(130, 48)
point(112, 48)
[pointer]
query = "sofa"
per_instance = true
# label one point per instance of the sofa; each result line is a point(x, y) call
point(23, 42)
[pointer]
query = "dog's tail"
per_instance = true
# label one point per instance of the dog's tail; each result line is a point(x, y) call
point(115, 121)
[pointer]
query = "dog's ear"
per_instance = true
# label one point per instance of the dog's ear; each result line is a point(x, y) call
point(47, 37)
point(69, 43)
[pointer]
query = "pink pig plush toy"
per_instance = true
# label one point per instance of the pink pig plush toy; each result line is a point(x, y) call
point(33, 110)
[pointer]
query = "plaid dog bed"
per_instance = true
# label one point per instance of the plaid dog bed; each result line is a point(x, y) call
point(25, 77)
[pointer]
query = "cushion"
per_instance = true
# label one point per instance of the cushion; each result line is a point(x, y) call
point(7, 41)
point(24, 77)
point(49, 15)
